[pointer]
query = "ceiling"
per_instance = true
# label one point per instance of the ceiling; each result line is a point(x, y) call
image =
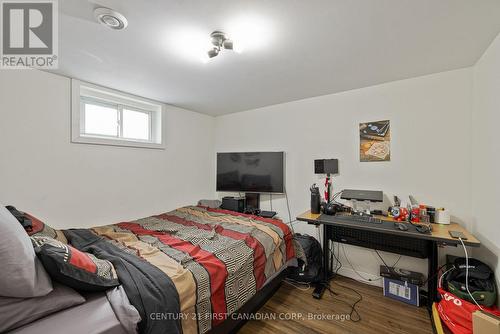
point(300, 48)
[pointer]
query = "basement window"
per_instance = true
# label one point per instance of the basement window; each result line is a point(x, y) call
point(107, 117)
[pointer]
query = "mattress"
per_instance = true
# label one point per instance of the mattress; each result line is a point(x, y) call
point(189, 269)
point(98, 315)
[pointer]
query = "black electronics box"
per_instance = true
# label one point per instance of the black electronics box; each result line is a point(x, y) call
point(326, 166)
point(402, 275)
point(233, 204)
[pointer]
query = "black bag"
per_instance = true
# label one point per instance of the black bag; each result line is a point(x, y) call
point(310, 260)
point(481, 282)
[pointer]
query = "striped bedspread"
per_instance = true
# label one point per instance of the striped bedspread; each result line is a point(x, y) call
point(216, 259)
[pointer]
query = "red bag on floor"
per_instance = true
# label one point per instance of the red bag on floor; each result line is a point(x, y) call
point(456, 313)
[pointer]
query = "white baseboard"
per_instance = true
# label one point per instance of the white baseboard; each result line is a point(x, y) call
point(371, 279)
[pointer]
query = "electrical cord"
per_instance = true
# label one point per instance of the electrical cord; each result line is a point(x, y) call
point(337, 194)
point(394, 265)
point(397, 261)
point(338, 265)
point(352, 306)
point(331, 257)
point(383, 261)
point(334, 196)
point(357, 273)
point(441, 277)
point(467, 273)
point(289, 214)
point(298, 285)
point(353, 311)
point(306, 287)
point(385, 264)
point(337, 269)
point(436, 273)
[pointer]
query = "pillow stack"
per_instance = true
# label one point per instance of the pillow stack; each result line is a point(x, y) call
point(31, 254)
point(26, 291)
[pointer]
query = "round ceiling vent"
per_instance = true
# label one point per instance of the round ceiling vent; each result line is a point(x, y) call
point(110, 18)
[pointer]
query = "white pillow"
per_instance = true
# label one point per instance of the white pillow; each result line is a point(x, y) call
point(22, 275)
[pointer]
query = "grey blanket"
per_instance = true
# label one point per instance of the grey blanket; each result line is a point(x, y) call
point(149, 290)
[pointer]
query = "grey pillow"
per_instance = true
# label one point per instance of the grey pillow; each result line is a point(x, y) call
point(211, 203)
point(15, 312)
point(22, 274)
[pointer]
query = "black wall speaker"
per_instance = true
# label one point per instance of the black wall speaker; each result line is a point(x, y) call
point(326, 166)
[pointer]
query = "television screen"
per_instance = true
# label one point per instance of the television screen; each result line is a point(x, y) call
point(260, 172)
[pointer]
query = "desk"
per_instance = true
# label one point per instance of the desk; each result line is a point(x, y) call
point(438, 237)
point(439, 231)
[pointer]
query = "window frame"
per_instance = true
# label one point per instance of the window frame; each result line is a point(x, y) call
point(82, 92)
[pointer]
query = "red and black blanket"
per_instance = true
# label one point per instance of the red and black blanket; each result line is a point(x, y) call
point(195, 266)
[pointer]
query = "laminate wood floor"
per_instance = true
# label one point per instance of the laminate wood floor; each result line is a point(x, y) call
point(378, 313)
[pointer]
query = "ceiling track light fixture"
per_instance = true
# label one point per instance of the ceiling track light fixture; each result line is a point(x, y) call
point(220, 42)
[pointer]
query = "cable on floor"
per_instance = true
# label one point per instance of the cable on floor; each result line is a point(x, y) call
point(353, 311)
point(298, 285)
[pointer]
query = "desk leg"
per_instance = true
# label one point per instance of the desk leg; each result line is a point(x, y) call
point(432, 284)
point(320, 287)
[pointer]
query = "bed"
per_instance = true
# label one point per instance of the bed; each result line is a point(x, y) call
point(191, 269)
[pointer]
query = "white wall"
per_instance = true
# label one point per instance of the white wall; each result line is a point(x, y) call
point(486, 155)
point(434, 140)
point(430, 129)
point(72, 185)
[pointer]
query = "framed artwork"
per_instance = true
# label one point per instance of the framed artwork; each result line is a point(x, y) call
point(375, 141)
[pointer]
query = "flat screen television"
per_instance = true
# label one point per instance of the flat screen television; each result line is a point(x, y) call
point(259, 172)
